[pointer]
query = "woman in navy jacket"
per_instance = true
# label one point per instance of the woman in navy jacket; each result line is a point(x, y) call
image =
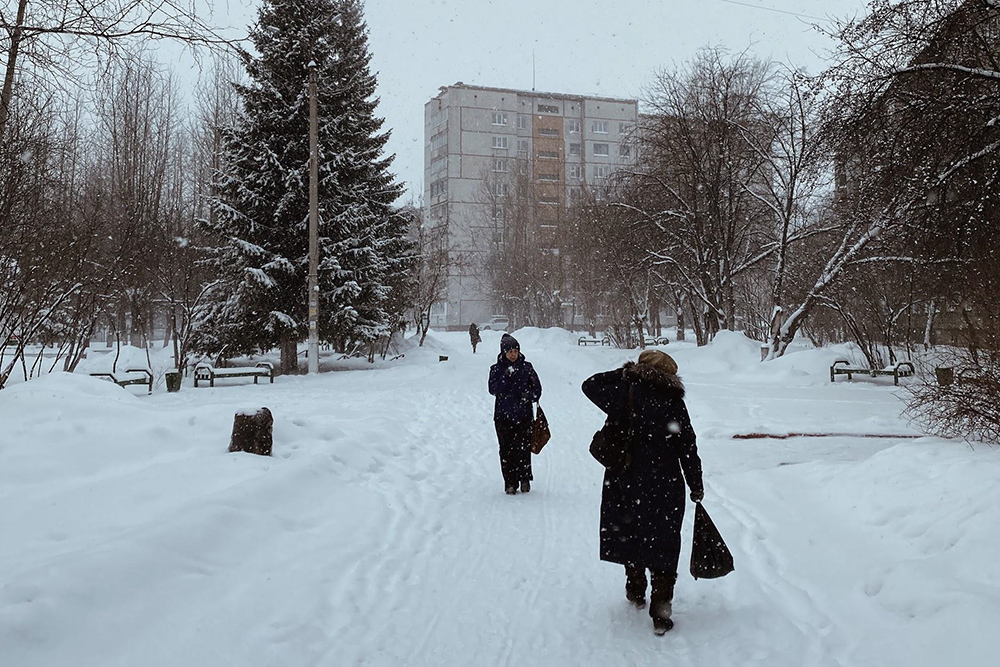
point(515, 384)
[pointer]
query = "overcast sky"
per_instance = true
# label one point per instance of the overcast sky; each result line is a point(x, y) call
point(609, 48)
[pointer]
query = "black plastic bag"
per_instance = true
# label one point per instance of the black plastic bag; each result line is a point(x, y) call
point(710, 557)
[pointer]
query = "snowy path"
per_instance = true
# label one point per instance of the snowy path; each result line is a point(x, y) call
point(379, 534)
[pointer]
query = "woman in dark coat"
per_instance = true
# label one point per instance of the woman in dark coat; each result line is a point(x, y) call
point(642, 506)
point(515, 384)
point(474, 336)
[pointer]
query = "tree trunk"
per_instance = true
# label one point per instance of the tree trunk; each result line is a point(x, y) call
point(700, 336)
point(289, 356)
point(931, 311)
point(681, 335)
point(252, 432)
point(8, 79)
point(729, 296)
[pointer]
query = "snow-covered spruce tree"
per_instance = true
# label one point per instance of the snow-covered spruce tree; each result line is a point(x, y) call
point(262, 205)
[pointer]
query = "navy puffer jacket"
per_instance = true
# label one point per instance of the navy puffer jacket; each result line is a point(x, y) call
point(516, 387)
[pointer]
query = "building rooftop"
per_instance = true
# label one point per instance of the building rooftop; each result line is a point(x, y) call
point(534, 93)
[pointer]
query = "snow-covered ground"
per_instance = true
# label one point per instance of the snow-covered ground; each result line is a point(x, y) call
point(379, 534)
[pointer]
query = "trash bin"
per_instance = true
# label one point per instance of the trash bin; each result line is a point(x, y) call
point(945, 375)
point(173, 380)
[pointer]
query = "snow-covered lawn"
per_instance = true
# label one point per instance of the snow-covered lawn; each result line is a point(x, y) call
point(379, 534)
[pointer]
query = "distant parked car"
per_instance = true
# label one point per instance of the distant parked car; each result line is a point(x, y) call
point(497, 323)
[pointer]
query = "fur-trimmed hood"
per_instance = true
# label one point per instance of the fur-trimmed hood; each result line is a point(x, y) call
point(654, 378)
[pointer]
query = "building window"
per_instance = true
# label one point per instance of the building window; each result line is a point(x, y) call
point(439, 188)
point(522, 122)
point(548, 201)
point(624, 128)
point(548, 155)
point(522, 148)
point(548, 178)
point(548, 108)
point(500, 189)
point(624, 150)
point(573, 126)
point(548, 132)
point(601, 150)
point(601, 172)
point(574, 150)
point(499, 118)
point(599, 127)
point(497, 212)
point(500, 143)
point(499, 165)
point(575, 171)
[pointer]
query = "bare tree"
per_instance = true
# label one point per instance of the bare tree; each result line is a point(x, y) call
point(796, 167)
point(432, 272)
point(613, 258)
point(912, 116)
point(522, 265)
point(53, 33)
point(697, 173)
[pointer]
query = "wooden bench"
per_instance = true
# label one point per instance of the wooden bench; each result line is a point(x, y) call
point(901, 369)
point(129, 377)
point(586, 340)
point(203, 371)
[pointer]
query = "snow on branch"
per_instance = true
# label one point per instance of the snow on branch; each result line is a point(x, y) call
point(975, 71)
point(907, 260)
point(260, 277)
point(967, 160)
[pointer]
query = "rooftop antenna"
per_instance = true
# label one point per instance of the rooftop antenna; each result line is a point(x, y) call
point(532, 69)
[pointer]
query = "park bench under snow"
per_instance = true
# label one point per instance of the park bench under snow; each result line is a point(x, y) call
point(129, 377)
point(898, 370)
point(205, 371)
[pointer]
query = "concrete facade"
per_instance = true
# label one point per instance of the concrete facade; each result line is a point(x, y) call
point(473, 136)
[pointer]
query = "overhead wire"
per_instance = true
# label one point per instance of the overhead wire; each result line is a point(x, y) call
point(773, 9)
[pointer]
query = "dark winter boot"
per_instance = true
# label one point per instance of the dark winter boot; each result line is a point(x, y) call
point(662, 626)
point(661, 600)
point(525, 486)
point(510, 490)
point(635, 585)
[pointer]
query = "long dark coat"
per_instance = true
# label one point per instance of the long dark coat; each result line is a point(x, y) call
point(642, 506)
point(516, 387)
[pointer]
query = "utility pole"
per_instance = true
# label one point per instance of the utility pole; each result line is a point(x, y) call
point(313, 225)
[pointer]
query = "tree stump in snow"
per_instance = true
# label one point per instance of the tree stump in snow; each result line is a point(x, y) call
point(252, 432)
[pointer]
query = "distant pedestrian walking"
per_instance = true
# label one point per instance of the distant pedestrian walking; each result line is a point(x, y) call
point(515, 384)
point(642, 505)
point(474, 336)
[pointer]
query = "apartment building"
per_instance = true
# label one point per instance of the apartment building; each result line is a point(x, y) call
point(475, 139)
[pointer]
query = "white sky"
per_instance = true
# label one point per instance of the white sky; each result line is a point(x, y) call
point(610, 48)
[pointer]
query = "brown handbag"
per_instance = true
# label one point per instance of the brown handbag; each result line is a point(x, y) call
point(540, 433)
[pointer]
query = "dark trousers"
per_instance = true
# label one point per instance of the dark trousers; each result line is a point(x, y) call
point(515, 451)
point(663, 587)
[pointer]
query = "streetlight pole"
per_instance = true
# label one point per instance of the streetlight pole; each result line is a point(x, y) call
point(313, 225)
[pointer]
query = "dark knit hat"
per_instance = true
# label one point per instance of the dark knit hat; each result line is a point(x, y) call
point(508, 342)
